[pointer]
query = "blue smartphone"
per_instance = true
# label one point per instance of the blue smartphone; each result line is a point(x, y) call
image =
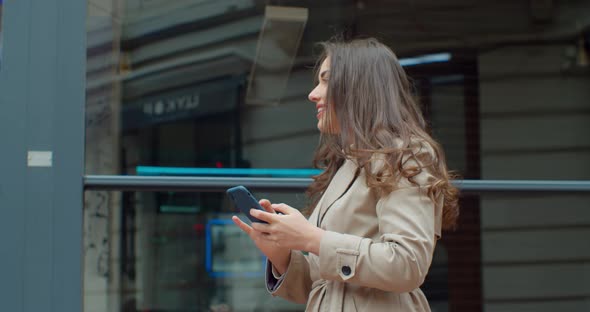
point(244, 200)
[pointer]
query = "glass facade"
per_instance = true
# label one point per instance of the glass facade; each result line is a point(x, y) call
point(214, 85)
point(150, 253)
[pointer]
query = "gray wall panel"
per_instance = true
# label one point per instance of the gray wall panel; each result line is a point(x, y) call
point(68, 142)
point(42, 86)
point(39, 209)
point(13, 96)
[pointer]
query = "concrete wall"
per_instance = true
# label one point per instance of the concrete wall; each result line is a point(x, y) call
point(102, 209)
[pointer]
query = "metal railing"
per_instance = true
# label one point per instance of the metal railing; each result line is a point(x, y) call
point(219, 184)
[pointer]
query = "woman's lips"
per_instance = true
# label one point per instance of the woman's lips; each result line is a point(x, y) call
point(320, 109)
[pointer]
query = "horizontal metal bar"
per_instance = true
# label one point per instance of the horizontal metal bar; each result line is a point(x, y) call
point(522, 186)
point(219, 184)
point(191, 184)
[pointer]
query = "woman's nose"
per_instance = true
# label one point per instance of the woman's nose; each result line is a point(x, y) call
point(313, 96)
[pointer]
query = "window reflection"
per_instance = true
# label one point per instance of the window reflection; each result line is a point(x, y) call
point(169, 251)
point(195, 83)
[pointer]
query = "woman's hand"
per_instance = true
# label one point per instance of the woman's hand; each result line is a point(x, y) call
point(291, 230)
point(278, 255)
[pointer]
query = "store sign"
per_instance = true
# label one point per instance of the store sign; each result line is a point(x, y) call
point(183, 104)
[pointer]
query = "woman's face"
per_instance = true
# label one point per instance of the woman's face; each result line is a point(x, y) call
point(319, 96)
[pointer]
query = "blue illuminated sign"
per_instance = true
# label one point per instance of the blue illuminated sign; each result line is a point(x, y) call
point(227, 262)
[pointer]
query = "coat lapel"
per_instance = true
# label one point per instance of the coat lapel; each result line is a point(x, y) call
point(339, 184)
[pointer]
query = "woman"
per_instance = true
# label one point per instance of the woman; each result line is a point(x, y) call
point(380, 204)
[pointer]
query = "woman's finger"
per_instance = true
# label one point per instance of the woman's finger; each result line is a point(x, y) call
point(265, 203)
point(243, 226)
point(263, 215)
point(285, 209)
point(261, 227)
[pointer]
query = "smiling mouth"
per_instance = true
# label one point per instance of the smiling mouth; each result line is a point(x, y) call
point(320, 111)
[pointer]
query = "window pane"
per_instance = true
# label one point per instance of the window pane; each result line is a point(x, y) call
point(169, 251)
point(184, 85)
point(224, 84)
point(221, 83)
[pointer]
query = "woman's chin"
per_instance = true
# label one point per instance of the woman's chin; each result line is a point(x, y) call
point(320, 127)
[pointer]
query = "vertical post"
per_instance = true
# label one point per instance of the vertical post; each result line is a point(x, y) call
point(42, 94)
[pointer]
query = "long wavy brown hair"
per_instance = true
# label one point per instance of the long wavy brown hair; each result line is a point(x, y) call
point(370, 102)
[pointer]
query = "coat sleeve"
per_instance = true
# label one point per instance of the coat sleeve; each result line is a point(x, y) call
point(295, 284)
point(400, 259)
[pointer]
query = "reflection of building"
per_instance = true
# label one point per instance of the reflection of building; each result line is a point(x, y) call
point(178, 102)
point(169, 60)
point(166, 85)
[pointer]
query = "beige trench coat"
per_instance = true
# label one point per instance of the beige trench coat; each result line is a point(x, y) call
point(375, 252)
